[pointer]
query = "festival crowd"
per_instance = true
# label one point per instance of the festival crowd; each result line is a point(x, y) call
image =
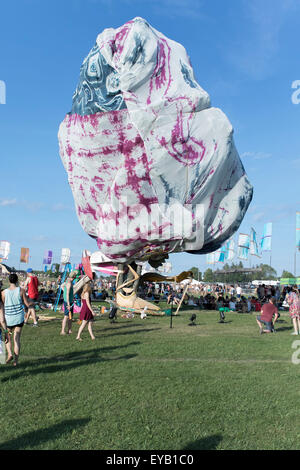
point(26, 295)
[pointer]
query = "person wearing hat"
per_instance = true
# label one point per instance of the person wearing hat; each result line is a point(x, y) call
point(32, 285)
point(68, 303)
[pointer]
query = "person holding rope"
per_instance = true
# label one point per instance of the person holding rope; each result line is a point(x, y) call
point(68, 303)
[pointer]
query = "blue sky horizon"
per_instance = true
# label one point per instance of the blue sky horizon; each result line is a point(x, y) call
point(244, 55)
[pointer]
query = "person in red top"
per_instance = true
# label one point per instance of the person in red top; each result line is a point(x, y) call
point(257, 305)
point(32, 284)
point(265, 319)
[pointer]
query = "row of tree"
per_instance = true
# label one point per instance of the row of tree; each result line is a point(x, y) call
point(264, 272)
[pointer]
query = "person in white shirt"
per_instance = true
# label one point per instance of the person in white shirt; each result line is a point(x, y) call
point(238, 292)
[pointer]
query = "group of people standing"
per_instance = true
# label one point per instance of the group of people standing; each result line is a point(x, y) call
point(87, 313)
point(17, 304)
point(269, 312)
point(12, 312)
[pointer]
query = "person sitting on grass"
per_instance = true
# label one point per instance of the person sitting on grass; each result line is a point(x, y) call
point(191, 302)
point(201, 302)
point(173, 298)
point(265, 319)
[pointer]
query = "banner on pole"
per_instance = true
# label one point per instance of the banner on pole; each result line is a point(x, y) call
point(217, 256)
point(24, 258)
point(229, 250)
point(266, 240)
point(4, 249)
point(65, 255)
point(243, 246)
point(253, 244)
point(48, 257)
point(210, 258)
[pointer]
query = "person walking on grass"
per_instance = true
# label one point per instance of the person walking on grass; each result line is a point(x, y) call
point(293, 300)
point(68, 303)
point(32, 285)
point(86, 314)
point(14, 299)
point(265, 319)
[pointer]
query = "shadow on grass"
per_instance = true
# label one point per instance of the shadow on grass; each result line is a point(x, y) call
point(208, 443)
point(122, 325)
point(66, 362)
point(132, 332)
point(284, 328)
point(35, 438)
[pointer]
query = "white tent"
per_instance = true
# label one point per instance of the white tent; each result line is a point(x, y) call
point(266, 283)
point(192, 282)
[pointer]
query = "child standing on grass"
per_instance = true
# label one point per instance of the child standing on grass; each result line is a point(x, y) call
point(86, 314)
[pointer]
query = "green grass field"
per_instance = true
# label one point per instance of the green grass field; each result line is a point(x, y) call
point(143, 385)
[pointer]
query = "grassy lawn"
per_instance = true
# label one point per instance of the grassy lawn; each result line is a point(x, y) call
point(144, 385)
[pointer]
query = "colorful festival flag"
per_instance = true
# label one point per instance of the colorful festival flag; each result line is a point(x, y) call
point(4, 249)
point(217, 256)
point(298, 230)
point(266, 240)
point(243, 246)
point(65, 255)
point(210, 258)
point(54, 267)
point(229, 250)
point(86, 263)
point(48, 257)
point(24, 258)
point(253, 244)
point(220, 255)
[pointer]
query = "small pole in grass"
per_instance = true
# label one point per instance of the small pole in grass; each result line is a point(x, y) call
point(171, 317)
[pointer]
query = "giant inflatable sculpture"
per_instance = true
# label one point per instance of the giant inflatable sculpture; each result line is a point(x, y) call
point(152, 166)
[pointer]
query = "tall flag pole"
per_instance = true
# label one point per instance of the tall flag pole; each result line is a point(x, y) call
point(297, 238)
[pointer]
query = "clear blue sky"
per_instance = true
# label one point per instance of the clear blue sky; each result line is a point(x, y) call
point(245, 55)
